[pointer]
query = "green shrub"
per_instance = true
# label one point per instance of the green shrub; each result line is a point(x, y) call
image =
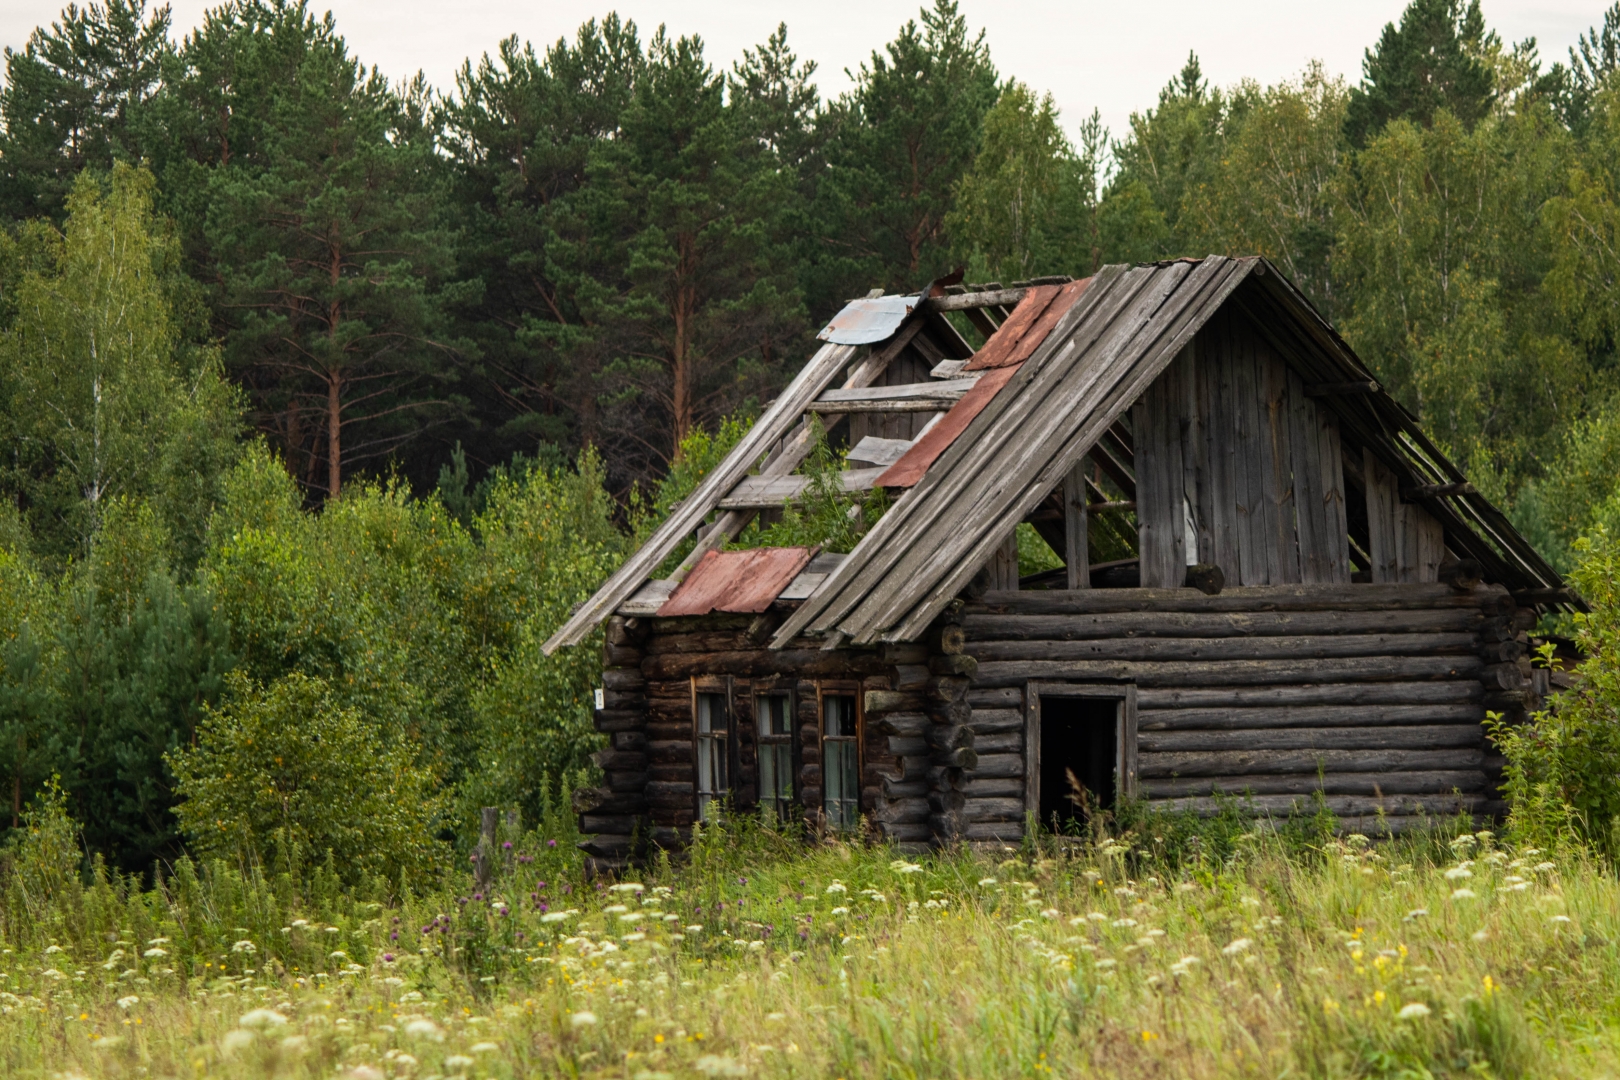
point(1562, 779)
point(285, 774)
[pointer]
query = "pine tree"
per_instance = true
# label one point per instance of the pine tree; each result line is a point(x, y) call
point(335, 262)
point(902, 138)
point(76, 96)
point(1433, 60)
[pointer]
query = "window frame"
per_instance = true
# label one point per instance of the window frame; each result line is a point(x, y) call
point(788, 738)
point(720, 687)
point(851, 690)
point(1126, 785)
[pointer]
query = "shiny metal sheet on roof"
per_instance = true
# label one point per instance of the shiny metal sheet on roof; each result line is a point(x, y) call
point(864, 321)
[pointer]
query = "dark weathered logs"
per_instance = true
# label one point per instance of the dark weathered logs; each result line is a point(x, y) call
point(1253, 648)
point(990, 721)
point(1502, 676)
point(1004, 742)
point(620, 655)
point(1312, 716)
point(948, 639)
point(1235, 672)
point(1395, 693)
point(949, 736)
point(904, 789)
point(629, 740)
point(1207, 578)
point(993, 787)
point(1362, 783)
point(754, 662)
point(602, 801)
point(911, 677)
point(1242, 762)
point(954, 664)
point(1532, 597)
point(614, 720)
point(625, 679)
point(998, 765)
point(622, 824)
point(980, 697)
point(1415, 737)
point(896, 811)
point(610, 760)
point(606, 845)
point(890, 701)
point(1501, 652)
point(899, 723)
point(1007, 831)
point(1492, 599)
point(663, 793)
point(1344, 805)
point(1182, 624)
point(619, 780)
point(993, 810)
point(1463, 574)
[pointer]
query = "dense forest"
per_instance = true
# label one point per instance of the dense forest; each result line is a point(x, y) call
point(325, 393)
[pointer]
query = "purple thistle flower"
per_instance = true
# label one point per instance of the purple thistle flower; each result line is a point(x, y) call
point(507, 846)
point(551, 843)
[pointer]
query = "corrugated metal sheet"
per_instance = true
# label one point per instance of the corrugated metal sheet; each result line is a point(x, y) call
point(863, 322)
point(743, 582)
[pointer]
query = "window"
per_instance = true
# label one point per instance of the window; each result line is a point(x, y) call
point(712, 726)
point(773, 717)
point(840, 760)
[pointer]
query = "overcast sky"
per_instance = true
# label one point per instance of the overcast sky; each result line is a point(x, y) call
point(1114, 56)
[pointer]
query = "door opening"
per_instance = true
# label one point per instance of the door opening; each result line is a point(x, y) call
point(1079, 736)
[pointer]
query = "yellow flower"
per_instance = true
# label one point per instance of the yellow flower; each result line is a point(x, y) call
point(1329, 1006)
point(1378, 997)
point(1489, 984)
point(1148, 1036)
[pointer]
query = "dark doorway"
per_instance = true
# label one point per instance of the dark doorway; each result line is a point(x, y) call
point(1078, 735)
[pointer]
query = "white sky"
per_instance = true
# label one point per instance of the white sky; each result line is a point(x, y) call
point(1114, 56)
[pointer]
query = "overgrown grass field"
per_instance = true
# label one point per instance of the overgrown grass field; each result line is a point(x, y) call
point(1160, 952)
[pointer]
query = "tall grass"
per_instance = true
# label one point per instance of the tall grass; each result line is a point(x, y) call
point(1132, 953)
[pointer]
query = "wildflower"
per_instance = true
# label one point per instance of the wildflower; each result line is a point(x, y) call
point(234, 1040)
point(1414, 1011)
point(421, 1027)
point(1560, 919)
point(615, 909)
point(1479, 935)
point(1415, 913)
point(458, 1062)
point(1049, 913)
point(1097, 916)
point(126, 1002)
point(52, 950)
point(775, 1017)
point(987, 882)
point(628, 886)
point(296, 1044)
point(244, 947)
point(1489, 984)
point(1543, 867)
point(579, 1020)
point(154, 953)
point(1148, 1036)
point(901, 866)
point(715, 1065)
point(1459, 871)
point(1124, 922)
point(261, 1018)
point(1240, 945)
point(1105, 964)
point(1329, 1006)
point(1184, 966)
point(1462, 894)
point(840, 911)
point(483, 1048)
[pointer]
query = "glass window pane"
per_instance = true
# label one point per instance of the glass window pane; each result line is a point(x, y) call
point(837, 715)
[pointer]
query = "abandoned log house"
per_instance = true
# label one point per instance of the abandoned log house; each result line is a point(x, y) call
point(1272, 583)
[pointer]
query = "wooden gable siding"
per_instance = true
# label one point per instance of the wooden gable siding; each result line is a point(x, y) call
point(1228, 433)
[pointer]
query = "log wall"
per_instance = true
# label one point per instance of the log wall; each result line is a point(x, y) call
point(1373, 695)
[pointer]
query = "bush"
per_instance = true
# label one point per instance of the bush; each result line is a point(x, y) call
point(1563, 774)
point(285, 774)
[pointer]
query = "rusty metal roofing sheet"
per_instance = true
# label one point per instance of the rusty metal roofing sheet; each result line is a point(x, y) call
point(737, 581)
point(863, 322)
point(937, 439)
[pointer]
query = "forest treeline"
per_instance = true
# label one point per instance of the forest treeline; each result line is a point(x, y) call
point(245, 278)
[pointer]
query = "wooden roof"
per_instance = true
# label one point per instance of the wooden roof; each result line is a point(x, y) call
point(1062, 363)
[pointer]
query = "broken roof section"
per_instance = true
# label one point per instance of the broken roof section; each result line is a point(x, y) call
point(742, 582)
point(1061, 363)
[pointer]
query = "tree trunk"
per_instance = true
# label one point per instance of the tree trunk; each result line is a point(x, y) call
point(681, 350)
point(334, 436)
